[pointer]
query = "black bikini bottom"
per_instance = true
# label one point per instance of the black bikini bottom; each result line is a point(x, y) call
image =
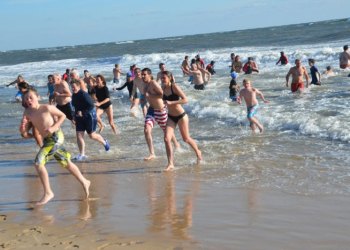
point(176, 119)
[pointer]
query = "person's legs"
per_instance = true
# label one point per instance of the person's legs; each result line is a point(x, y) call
point(255, 122)
point(149, 140)
point(99, 113)
point(81, 142)
point(74, 170)
point(44, 178)
point(184, 130)
point(97, 137)
point(168, 135)
point(109, 112)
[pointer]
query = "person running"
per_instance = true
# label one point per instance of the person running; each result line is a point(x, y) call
point(344, 58)
point(85, 119)
point(328, 72)
point(140, 86)
point(283, 59)
point(156, 112)
point(173, 98)
point(315, 74)
point(297, 72)
point(103, 103)
point(66, 75)
point(162, 68)
point(47, 119)
point(51, 89)
point(249, 95)
point(63, 96)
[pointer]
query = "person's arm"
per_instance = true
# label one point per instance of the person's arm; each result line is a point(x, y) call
point(306, 77)
point(59, 115)
point(259, 93)
point(122, 87)
point(287, 77)
point(66, 91)
point(318, 76)
point(158, 92)
point(25, 127)
point(279, 60)
point(239, 98)
point(12, 83)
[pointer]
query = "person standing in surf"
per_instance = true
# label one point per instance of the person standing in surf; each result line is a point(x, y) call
point(297, 72)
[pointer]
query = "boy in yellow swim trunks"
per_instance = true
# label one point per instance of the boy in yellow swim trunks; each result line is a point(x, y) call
point(42, 117)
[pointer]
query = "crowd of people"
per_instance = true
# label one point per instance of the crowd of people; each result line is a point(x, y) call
point(83, 102)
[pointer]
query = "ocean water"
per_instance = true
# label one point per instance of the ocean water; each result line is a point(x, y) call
point(304, 149)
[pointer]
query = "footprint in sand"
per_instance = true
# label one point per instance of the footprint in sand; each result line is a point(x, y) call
point(3, 217)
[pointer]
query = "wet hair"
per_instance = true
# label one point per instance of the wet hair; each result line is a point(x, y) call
point(102, 78)
point(212, 62)
point(161, 64)
point(246, 81)
point(116, 65)
point(282, 52)
point(148, 70)
point(169, 75)
point(186, 57)
point(50, 76)
point(311, 60)
point(86, 71)
point(233, 82)
point(329, 68)
point(345, 47)
point(193, 61)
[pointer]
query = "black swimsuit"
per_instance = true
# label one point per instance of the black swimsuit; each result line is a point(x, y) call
point(173, 97)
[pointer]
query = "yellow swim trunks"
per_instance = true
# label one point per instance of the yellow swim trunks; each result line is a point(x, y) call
point(53, 147)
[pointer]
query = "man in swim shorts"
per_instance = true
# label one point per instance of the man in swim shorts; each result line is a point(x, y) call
point(344, 58)
point(63, 96)
point(297, 72)
point(157, 111)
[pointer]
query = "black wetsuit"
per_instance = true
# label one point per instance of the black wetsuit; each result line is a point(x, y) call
point(130, 86)
point(102, 94)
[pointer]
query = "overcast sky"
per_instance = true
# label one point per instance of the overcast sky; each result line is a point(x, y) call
point(49, 23)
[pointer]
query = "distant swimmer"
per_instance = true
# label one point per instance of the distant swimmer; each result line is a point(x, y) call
point(283, 59)
point(21, 85)
point(328, 72)
point(173, 98)
point(297, 72)
point(66, 75)
point(51, 89)
point(237, 65)
point(234, 88)
point(210, 67)
point(201, 61)
point(47, 119)
point(199, 76)
point(248, 93)
point(185, 65)
point(162, 68)
point(117, 72)
point(250, 66)
point(344, 58)
point(315, 74)
point(85, 119)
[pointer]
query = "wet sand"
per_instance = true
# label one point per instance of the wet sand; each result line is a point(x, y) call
point(137, 206)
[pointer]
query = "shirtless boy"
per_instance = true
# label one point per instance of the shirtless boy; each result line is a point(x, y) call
point(116, 73)
point(156, 112)
point(47, 119)
point(248, 93)
point(297, 72)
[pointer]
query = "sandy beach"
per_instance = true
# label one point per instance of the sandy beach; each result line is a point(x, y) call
point(143, 208)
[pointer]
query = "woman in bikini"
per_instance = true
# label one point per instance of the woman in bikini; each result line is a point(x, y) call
point(174, 97)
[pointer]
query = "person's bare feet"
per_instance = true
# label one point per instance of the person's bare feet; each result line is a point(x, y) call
point(150, 157)
point(46, 198)
point(170, 167)
point(86, 187)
